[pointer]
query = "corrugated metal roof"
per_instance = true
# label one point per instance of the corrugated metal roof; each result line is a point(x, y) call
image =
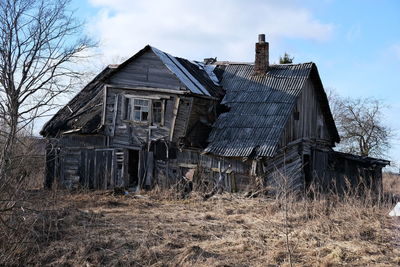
point(181, 72)
point(260, 106)
point(205, 75)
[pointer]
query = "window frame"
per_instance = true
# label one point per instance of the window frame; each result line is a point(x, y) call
point(159, 109)
point(140, 110)
point(129, 110)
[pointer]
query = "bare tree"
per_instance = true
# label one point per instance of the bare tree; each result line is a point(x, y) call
point(40, 42)
point(360, 124)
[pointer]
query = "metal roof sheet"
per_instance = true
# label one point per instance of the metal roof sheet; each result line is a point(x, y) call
point(181, 72)
point(260, 106)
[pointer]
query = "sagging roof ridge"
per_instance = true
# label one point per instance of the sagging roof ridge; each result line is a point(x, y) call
point(186, 76)
point(75, 100)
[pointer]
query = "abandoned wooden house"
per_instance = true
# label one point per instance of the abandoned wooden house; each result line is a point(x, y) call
point(156, 117)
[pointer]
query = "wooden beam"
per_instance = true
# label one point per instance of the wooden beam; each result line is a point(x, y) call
point(152, 97)
point(115, 114)
point(175, 113)
point(103, 117)
point(161, 90)
point(150, 89)
point(187, 165)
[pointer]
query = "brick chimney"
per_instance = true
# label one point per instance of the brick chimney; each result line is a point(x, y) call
point(262, 56)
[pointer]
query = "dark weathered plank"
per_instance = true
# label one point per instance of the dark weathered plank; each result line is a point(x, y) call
point(147, 70)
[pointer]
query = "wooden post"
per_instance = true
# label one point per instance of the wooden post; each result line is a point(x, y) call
point(103, 118)
point(115, 114)
point(175, 113)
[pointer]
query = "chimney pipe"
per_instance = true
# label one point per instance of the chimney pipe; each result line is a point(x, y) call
point(262, 56)
point(261, 38)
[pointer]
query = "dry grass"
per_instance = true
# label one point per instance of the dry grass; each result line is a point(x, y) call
point(391, 183)
point(98, 228)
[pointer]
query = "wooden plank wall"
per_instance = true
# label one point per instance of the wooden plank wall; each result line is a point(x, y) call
point(182, 118)
point(236, 179)
point(90, 168)
point(50, 166)
point(194, 157)
point(285, 170)
point(311, 123)
point(146, 70)
point(79, 140)
point(336, 173)
point(134, 134)
point(69, 171)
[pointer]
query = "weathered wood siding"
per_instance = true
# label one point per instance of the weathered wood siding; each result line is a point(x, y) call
point(131, 134)
point(194, 157)
point(235, 172)
point(341, 173)
point(309, 122)
point(146, 70)
point(285, 170)
point(82, 141)
point(304, 164)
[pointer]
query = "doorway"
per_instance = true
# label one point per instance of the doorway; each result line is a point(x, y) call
point(133, 168)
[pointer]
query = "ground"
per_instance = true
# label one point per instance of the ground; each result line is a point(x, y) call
point(156, 229)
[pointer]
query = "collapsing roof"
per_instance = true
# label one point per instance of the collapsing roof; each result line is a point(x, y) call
point(195, 79)
point(259, 107)
point(83, 113)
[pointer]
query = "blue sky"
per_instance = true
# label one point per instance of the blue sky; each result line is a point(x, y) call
point(355, 43)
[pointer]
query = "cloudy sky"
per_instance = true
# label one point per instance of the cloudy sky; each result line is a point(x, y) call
point(355, 43)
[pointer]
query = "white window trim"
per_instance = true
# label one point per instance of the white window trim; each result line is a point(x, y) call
point(133, 111)
point(150, 100)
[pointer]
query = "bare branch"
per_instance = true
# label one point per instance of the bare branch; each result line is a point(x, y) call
point(40, 42)
point(360, 125)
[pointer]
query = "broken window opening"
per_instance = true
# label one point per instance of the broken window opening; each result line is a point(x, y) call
point(140, 110)
point(157, 112)
point(144, 110)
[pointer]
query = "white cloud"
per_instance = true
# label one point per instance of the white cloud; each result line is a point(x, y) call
point(198, 29)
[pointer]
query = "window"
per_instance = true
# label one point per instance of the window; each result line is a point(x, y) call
point(140, 109)
point(157, 112)
point(143, 110)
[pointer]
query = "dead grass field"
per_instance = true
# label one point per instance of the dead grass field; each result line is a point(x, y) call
point(98, 228)
point(391, 184)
